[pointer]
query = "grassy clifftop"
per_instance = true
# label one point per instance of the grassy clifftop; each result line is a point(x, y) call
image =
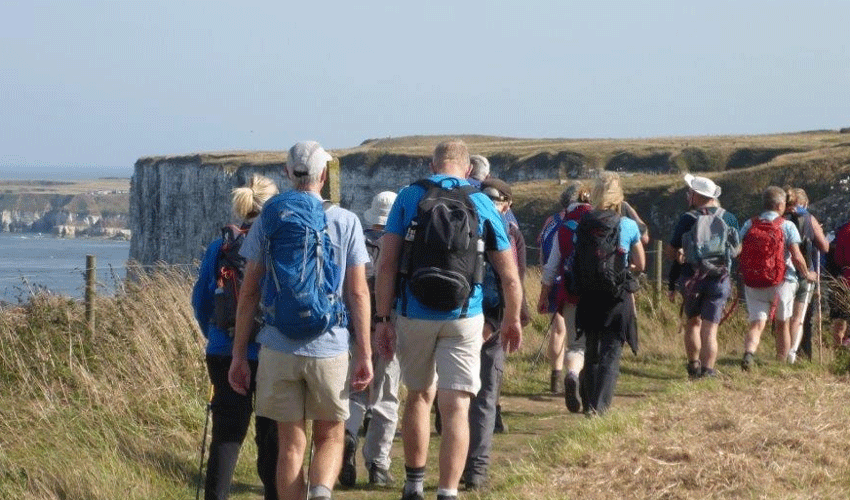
point(118, 412)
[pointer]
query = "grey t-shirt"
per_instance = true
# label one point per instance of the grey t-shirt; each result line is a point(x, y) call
point(346, 236)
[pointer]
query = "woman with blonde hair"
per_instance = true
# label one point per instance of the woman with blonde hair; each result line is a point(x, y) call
point(605, 311)
point(214, 300)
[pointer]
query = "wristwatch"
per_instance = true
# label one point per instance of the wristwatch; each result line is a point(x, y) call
point(382, 319)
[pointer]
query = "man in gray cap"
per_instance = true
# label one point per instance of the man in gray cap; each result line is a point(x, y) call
point(704, 279)
point(299, 378)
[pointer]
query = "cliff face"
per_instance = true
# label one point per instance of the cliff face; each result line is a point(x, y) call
point(178, 204)
point(65, 215)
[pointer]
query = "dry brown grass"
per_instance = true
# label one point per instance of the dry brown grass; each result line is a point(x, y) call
point(522, 148)
point(84, 412)
point(746, 437)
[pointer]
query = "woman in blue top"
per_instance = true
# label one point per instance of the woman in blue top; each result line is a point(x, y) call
point(232, 411)
point(608, 321)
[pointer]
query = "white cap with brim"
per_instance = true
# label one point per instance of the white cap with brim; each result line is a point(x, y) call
point(703, 186)
point(307, 158)
point(380, 209)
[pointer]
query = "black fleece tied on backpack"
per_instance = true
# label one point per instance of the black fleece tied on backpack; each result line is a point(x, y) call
point(605, 313)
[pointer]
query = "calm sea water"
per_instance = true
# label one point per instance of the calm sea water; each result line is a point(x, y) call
point(31, 261)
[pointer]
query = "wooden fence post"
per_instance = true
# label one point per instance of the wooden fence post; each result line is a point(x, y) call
point(659, 281)
point(91, 273)
point(332, 189)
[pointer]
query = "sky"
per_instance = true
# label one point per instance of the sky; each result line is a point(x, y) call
point(88, 87)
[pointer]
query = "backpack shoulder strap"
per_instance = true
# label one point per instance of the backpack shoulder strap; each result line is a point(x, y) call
point(469, 189)
point(425, 183)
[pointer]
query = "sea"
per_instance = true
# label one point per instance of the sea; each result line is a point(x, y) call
point(32, 262)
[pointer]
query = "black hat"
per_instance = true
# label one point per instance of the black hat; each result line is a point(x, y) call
point(496, 189)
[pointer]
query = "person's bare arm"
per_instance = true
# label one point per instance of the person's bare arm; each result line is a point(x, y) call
point(637, 257)
point(505, 265)
point(800, 263)
point(239, 375)
point(357, 299)
point(385, 274)
point(819, 238)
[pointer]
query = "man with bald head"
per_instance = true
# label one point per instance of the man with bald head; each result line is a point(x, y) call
point(439, 345)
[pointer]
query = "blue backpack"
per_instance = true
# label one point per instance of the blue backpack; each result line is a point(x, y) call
point(300, 296)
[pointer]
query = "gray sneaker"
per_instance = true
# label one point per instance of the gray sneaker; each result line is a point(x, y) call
point(379, 476)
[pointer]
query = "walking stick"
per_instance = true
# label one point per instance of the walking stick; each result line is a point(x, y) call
point(820, 312)
point(545, 338)
point(204, 445)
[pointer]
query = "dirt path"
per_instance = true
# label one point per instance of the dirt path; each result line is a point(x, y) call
point(526, 417)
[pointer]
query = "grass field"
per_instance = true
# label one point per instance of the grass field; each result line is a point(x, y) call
point(118, 411)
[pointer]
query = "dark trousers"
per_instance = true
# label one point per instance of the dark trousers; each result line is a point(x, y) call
point(806, 339)
point(482, 409)
point(231, 416)
point(601, 369)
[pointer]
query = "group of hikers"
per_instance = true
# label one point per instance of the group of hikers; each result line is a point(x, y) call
point(309, 317)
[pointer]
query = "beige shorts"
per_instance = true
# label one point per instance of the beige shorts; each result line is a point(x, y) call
point(448, 351)
point(759, 301)
point(292, 388)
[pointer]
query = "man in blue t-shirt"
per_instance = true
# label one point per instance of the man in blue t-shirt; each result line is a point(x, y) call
point(447, 343)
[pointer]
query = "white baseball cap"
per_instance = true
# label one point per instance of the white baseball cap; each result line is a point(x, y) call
point(307, 158)
point(703, 186)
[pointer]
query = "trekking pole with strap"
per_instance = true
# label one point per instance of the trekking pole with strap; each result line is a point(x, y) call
point(204, 445)
point(545, 338)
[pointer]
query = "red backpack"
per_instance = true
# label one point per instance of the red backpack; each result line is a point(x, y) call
point(762, 259)
point(566, 235)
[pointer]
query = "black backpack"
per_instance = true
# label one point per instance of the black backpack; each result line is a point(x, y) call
point(598, 266)
point(444, 252)
point(230, 267)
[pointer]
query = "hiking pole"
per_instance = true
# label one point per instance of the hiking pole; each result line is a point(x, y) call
point(204, 445)
point(309, 462)
point(820, 311)
point(545, 338)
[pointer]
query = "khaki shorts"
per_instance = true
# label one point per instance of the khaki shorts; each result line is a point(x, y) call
point(292, 388)
point(448, 351)
point(759, 301)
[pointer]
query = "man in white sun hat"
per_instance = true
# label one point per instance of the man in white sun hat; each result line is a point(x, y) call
point(704, 242)
point(381, 397)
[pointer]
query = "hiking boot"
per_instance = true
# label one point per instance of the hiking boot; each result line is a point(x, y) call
point(694, 369)
point(747, 362)
point(572, 396)
point(556, 383)
point(412, 496)
point(708, 373)
point(474, 482)
point(446, 497)
point(348, 473)
point(379, 476)
point(499, 427)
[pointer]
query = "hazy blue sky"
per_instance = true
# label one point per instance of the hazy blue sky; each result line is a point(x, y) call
point(102, 83)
